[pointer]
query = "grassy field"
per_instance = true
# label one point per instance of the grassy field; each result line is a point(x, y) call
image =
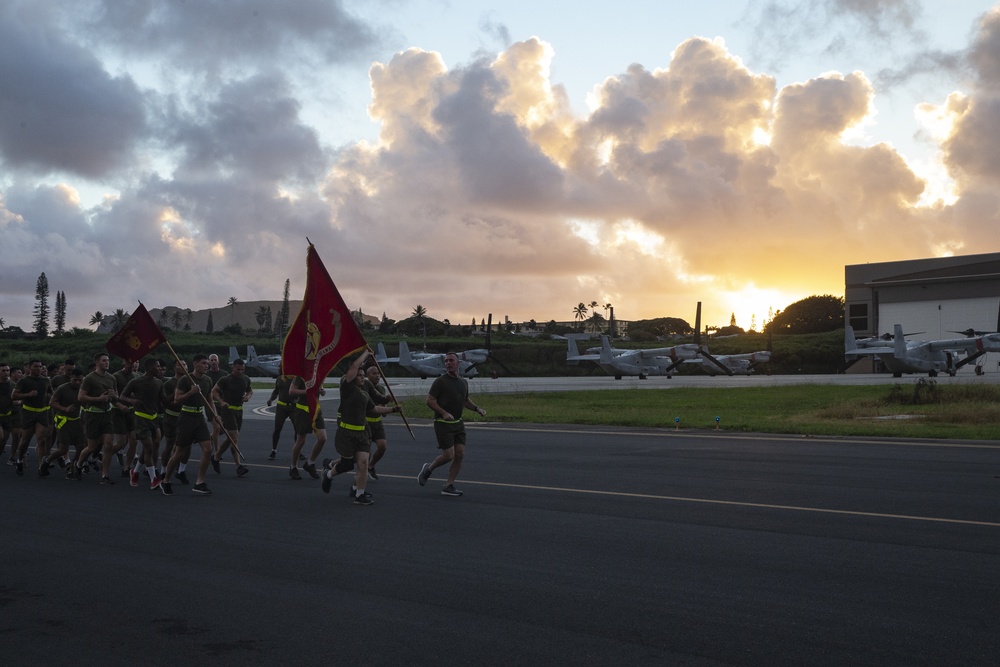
point(925, 410)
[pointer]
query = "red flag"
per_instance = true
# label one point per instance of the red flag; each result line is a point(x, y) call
point(324, 332)
point(137, 337)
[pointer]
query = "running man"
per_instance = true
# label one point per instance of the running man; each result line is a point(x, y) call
point(352, 436)
point(33, 392)
point(6, 410)
point(447, 396)
point(230, 393)
point(193, 393)
point(375, 426)
point(66, 412)
point(98, 391)
point(300, 421)
point(283, 410)
point(145, 394)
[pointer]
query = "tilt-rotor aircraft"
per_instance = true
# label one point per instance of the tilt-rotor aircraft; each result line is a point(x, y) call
point(618, 362)
point(268, 365)
point(931, 357)
point(428, 364)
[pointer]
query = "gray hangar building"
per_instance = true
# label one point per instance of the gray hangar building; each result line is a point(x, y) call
point(933, 298)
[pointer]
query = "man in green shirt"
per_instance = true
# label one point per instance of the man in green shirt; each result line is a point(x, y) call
point(65, 404)
point(193, 393)
point(144, 394)
point(447, 396)
point(230, 393)
point(96, 394)
point(33, 392)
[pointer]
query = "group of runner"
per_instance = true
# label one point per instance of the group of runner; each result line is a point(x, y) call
point(102, 416)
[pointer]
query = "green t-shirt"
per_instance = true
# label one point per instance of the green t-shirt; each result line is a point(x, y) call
point(451, 394)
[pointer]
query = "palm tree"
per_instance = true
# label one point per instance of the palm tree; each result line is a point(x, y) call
point(97, 318)
point(261, 316)
point(188, 316)
point(176, 320)
point(119, 319)
point(596, 320)
point(161, 319)
point(3, 325)
point(420, 313)
point(232, 307)
point(580, 312)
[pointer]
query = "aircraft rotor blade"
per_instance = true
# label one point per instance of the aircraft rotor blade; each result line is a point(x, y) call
point(706, 355)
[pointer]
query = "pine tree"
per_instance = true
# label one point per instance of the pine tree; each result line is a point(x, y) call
point(42, 306)
point(283, 313)
point(210, 327)
point(60, 312)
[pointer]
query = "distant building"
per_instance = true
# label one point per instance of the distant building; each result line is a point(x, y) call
point(931, 298)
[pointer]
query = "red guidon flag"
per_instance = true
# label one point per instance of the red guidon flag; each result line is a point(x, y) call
point(323, 333)
point(137, 338)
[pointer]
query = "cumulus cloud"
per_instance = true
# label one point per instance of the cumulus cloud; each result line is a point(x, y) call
point(60, 109)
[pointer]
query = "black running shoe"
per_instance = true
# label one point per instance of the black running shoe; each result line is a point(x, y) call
point(166, 488)
point(425, 474)
point(311, 469)
point(200, 489)
point(182, 477)
point(43, 470)
point(294, 473)
point(19, 468)
point(272, 455)
point(371, 473)
point(354, 492)
point(450, 490)
point(327, 464)
point(327, 481)
point(107, 481)
point(242, 470)
point(364, 499)
point(215, 465)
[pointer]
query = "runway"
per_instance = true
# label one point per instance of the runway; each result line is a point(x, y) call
point(571, 545)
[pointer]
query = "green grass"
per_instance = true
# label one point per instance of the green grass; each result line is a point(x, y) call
point(964, 412)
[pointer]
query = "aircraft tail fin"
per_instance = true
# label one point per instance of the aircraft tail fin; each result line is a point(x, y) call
point(233, 354)
point(606, 355)
point(404, 353)
point(850, 342)
point(251, 355)
point(572, 351)
point(899, 342)
point(380, 355)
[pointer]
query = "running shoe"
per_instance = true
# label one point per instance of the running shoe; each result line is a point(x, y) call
point(363, 499)
point(450, 490)
point(182, 477)
point(166, 488)
point(311, 469)
point(43, 470)
point(327, 464)
point(294, 473)
point(215, 465)
point(242, 470)
point(155, 483)
point(425, 474)
point(133, 478)
point(272, 455)
point(371, 473)
point(201, 489)
point(327, 481)
point(19, 468)
point(107, 481)
point(354, 492)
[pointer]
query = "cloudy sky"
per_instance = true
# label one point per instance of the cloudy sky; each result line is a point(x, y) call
point(507, 157)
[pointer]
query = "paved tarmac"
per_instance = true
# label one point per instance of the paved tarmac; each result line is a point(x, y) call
point(571, 546)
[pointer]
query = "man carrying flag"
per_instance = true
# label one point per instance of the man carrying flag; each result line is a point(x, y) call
point(323, 333)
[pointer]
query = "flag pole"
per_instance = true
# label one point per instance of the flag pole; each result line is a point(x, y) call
point(208, 403)
point(392, 395)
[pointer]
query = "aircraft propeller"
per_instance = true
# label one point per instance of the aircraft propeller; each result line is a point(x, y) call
point(972, 333)
point(489, 345)
point(701, 350)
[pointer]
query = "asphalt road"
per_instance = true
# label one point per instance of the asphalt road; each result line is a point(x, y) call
point(571, 546)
